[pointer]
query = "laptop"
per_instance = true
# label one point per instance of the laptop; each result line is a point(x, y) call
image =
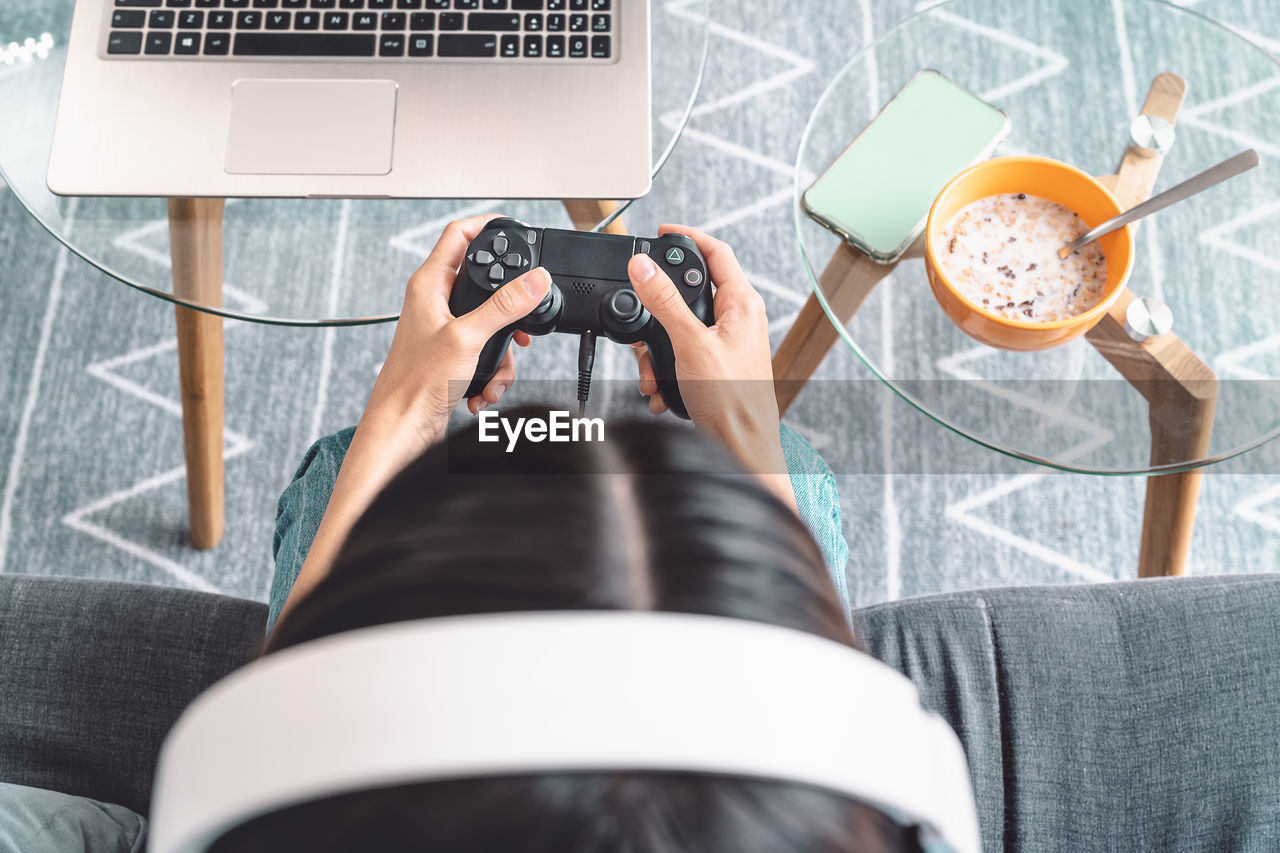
point(355, 99)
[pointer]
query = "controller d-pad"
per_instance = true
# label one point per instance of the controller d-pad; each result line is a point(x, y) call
point(497, 273)
point(482, 258)
point(675, 256)
point(514, 261)
point(500, 244)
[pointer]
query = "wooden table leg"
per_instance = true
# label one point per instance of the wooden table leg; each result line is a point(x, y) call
point(195, 244)
point(1181, 424)
point(1181, 393)
point(587, 214)
point(846, 282)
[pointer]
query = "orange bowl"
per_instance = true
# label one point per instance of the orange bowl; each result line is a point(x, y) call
point(1056, 181)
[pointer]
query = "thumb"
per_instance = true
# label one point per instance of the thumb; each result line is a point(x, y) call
point(659, 294)
point(511, 302)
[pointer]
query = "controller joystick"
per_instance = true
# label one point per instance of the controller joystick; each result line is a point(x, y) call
point(548, 308)
point(624, 312)
point(591, 293)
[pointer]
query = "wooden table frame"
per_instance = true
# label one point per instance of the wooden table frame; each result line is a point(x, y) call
point(195, 244)
point(1181, 391)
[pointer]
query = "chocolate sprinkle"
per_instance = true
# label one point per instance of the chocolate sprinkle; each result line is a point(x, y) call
point(1021, 196)
point(1033, 266)
point(951, 247)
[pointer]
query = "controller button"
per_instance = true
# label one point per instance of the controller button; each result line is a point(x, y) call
point(645, 246)
point(514, 261)
point(497, 273)
point(500, 245)
point(482, 258)
point(693, 278)
point(531, 237)
point(625, 306)
point(675, 257)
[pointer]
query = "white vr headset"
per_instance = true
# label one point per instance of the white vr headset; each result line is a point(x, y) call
point(555, 692)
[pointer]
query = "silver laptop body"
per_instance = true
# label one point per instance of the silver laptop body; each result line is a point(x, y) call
point(457, 110)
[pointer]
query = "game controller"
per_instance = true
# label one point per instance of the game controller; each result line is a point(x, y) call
point(591, 293)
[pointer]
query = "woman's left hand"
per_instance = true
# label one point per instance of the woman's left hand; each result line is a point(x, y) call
point(433, 355)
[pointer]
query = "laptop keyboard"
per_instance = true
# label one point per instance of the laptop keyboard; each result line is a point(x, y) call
point(569, 30)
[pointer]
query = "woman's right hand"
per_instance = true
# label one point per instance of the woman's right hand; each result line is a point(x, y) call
point(725, 371)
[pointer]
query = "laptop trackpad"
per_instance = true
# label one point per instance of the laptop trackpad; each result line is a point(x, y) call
point(311, 127)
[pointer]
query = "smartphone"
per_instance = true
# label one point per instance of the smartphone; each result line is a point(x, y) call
point(877, 193)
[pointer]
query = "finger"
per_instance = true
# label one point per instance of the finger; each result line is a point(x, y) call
point(659, 295)
point(452, 246)
point(502, 380)
point(644, 365)
point(657, 405)
point(512, 302)
point(522, 339)
point(648, 379)
point(732, 287)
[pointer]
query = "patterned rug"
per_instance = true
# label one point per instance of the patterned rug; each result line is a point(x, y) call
point(91, 461)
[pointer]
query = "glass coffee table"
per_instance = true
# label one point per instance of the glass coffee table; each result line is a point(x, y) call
point(237, 259)
point(1133, 397)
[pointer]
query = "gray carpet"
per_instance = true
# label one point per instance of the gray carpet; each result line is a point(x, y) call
point(91, 446)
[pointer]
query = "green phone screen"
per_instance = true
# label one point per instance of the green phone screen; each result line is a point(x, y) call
point(878, 192)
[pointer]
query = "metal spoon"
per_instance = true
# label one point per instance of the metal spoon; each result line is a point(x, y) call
point(1242, 162)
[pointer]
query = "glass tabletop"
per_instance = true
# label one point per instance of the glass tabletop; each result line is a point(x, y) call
point(1072, 75)
point(287, 261)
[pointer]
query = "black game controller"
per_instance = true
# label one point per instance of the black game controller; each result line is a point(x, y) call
point(590, 290)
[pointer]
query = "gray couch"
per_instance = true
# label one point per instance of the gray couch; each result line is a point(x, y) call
point(1125, 717)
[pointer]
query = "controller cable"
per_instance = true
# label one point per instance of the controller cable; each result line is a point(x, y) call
point(586, 361)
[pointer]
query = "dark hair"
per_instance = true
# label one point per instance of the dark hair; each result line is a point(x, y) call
point(654, 518)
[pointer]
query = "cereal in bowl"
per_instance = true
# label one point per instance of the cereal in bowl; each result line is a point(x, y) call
point(1001, 252)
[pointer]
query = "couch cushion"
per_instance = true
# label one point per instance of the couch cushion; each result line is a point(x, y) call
point(1128, 716)
point(33, 820)
point(95, 673)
